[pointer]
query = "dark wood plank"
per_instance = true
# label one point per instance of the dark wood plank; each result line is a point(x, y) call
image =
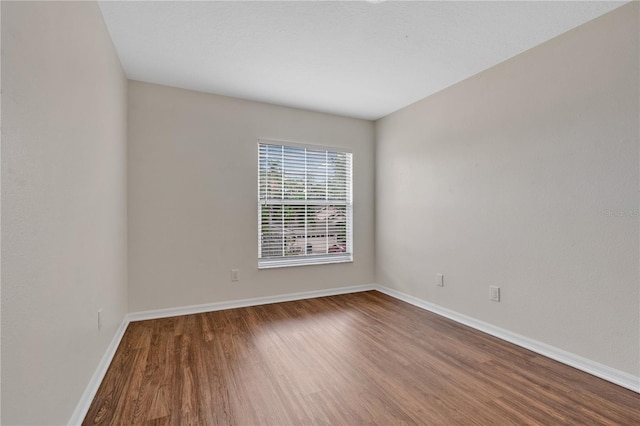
point(362, 358)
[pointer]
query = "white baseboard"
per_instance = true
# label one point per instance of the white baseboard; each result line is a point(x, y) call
point(602, 371)
point(219, 306)
point(90, 391)
point(92, 388)
point(618, 377)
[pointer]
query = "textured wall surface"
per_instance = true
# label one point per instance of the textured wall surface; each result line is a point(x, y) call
point(526, 177)
point(192, 187)
point(63, 205)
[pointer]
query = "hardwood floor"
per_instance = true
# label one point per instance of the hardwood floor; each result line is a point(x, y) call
point(362, 358)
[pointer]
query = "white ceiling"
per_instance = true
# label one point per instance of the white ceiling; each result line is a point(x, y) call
point(359, 59)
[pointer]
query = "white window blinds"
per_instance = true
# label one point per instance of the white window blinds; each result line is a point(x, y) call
point(304, 205)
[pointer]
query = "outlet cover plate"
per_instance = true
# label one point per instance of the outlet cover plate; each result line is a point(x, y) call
point(494, 294)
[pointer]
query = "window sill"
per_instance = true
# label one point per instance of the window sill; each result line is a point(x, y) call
point(307, 261)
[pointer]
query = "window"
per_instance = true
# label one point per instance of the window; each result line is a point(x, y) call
point(304, 205)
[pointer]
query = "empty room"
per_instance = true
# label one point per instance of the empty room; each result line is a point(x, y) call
point(320, 213)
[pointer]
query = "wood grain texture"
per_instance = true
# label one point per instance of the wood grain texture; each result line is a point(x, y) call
point(362, 358)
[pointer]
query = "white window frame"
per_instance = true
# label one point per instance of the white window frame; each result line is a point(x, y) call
point(307, 259)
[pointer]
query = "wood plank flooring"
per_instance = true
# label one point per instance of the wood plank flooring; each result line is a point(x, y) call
point(354, 359)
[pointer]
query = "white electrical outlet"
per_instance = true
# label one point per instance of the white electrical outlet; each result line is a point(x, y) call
point(99, 319)
point(235, 275)
point(440, 280)
point(494, 293)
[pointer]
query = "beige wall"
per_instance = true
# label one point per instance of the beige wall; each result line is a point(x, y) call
point(526, 177)
point(192, 189)
point(64, 205)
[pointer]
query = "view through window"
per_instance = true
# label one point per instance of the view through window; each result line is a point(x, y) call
point(304, 204)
